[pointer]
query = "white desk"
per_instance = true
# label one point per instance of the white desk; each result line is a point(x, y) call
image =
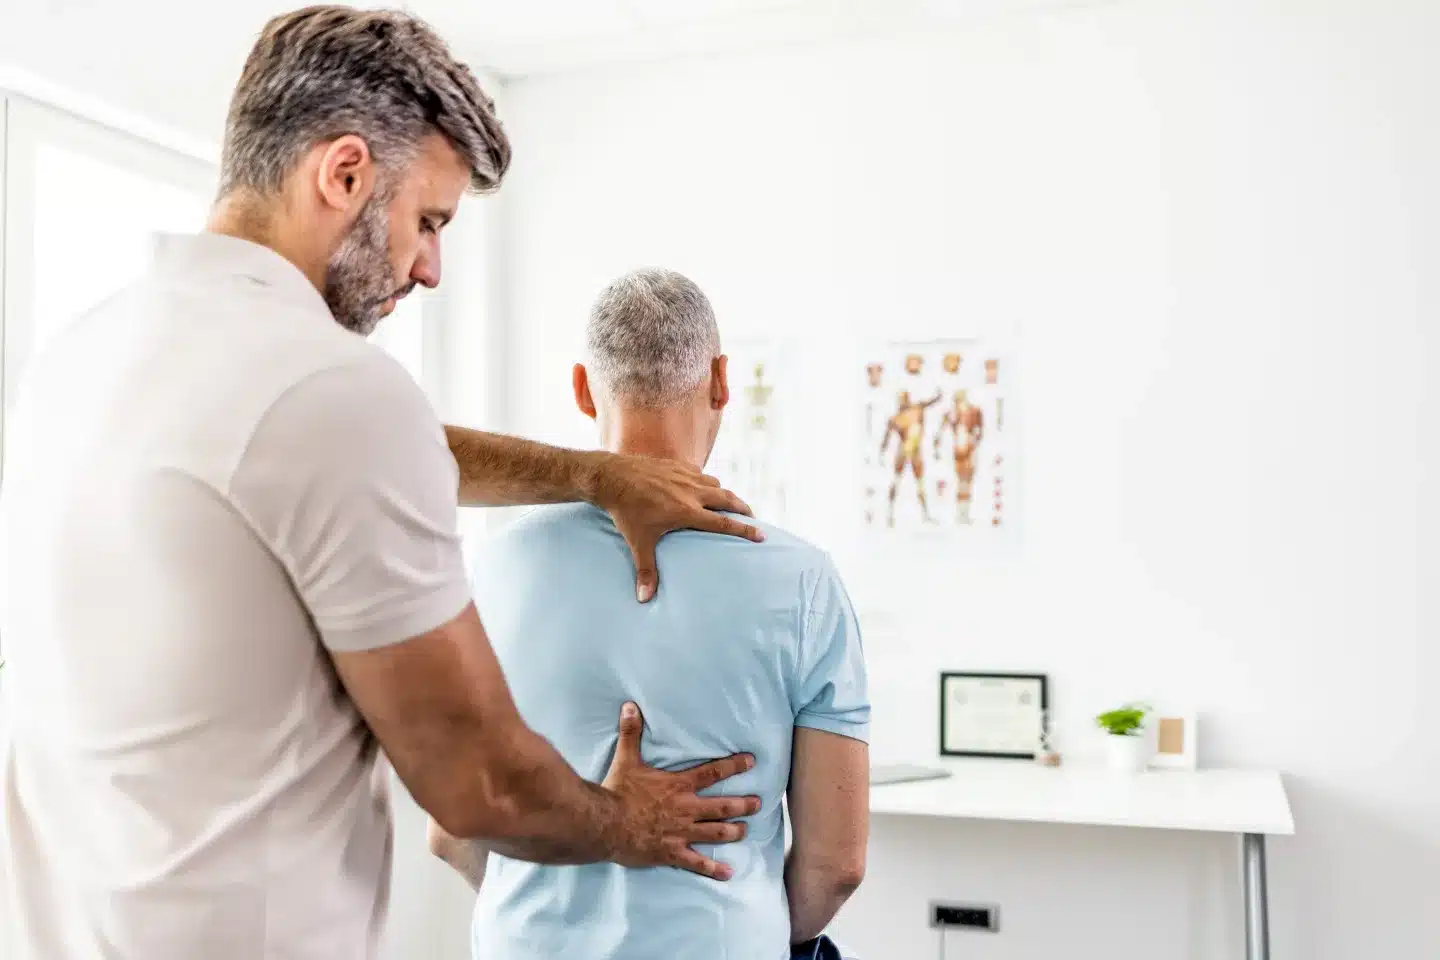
point(1251, 803)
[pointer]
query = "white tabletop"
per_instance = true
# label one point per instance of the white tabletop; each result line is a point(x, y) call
point(1230, 801)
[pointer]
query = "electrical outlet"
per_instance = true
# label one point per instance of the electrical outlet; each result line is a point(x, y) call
point(969, 916)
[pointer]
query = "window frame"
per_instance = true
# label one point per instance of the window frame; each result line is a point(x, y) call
point(29, 124)
point(420, 303)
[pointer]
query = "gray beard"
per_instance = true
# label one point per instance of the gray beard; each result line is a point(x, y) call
point(358, 280)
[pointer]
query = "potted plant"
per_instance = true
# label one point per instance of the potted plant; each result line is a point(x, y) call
point(1126, 739)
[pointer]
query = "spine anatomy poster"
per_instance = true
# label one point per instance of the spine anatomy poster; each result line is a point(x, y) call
point(751, 450)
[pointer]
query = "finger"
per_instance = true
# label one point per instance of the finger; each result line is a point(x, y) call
point(720, 523)
point(632, 727)
point(647, 577)
point(711, 773)
point(723, 808)
point(716, 832)
point(687, 859)
point(709, 481)
point(718, 498)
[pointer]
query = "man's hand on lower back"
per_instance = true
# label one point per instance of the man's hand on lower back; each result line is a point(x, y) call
point(648, 497)
point(661, 814)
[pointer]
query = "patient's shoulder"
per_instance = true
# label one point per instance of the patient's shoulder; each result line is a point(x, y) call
point(782, 558)
point(788, 547)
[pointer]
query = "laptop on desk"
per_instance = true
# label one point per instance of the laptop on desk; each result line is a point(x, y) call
point(904, 773)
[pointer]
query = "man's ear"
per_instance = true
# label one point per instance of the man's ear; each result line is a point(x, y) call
point(583, 399)
point(719, 382)
point(345, 176)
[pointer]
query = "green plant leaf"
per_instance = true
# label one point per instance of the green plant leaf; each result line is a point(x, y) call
point(1124, 721)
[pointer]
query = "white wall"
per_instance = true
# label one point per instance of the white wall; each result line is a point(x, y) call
point(1213, 226)
point(104, 54)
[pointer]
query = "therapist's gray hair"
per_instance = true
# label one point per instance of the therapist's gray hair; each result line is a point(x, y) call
point(651, 338)
point(320, 73)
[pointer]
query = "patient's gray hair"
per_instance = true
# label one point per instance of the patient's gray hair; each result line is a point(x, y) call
point(651, 338)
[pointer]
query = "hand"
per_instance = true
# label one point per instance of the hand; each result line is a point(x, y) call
point(661, 814)
point(648, 497)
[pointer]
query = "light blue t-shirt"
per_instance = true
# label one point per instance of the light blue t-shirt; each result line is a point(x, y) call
point(743, 643)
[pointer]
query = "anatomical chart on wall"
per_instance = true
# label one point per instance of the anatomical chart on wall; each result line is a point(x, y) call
point(751, 451)
point(938, 451)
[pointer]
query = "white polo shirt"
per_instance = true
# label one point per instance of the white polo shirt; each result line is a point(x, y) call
point(209, 483)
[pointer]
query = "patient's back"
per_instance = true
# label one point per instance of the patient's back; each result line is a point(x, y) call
point(743, 643)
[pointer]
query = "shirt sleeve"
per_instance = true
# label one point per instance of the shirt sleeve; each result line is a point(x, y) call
point(832, 694)
point(350, 482)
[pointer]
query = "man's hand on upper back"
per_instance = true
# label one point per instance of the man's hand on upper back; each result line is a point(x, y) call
point(648, 497)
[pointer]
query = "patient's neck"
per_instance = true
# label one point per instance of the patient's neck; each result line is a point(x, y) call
point(669, 434)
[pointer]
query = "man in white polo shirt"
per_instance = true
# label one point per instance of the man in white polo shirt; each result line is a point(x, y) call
point(232, 569)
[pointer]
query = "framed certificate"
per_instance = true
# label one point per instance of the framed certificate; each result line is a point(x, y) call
point(992, 714)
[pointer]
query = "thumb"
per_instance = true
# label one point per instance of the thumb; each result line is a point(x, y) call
point(647, 577)
point(627, 748)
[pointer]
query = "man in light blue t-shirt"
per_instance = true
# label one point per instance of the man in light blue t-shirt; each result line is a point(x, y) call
point(747, 647)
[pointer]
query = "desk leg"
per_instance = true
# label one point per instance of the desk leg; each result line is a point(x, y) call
point(1257, 906)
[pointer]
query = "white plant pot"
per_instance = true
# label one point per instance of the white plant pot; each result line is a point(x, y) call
point(1128, 754)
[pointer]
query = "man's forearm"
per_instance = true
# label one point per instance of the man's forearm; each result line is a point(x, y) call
point(501, 471)
point(815, 895)
point(543, 811)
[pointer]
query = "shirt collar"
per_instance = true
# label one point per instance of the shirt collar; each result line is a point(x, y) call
point(214, 254)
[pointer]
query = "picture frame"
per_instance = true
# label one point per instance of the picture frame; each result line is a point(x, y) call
point(1174, 739)
point(995, 715)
